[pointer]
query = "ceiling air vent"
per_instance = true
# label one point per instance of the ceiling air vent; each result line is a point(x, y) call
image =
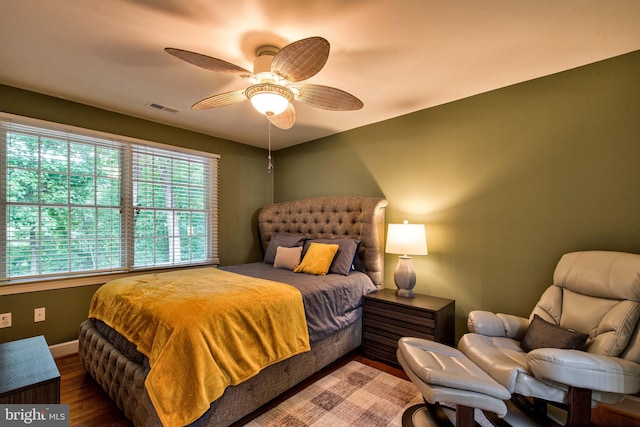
point(163, 107)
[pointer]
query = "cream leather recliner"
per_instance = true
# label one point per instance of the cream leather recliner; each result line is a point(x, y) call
point(593, 292)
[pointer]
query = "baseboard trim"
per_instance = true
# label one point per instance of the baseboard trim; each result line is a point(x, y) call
point(64, 349)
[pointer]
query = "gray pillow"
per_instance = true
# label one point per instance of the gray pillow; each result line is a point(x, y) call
point(542, 334)
point(343, 260)
point(287, 240)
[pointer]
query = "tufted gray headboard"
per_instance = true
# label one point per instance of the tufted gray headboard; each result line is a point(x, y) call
point(334, 217)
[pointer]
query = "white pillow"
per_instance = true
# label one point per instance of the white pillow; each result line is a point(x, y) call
point(288, 258)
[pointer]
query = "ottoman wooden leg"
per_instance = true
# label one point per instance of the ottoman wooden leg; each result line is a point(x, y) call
point(465, 416)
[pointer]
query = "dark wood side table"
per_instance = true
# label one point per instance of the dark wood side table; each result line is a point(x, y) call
point(28, 373)
point(388, 317)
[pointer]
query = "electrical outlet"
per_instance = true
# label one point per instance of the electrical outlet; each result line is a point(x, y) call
point(38, 314)
point(5, 320)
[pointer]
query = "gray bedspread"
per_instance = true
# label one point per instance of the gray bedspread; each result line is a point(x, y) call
point(331, 302)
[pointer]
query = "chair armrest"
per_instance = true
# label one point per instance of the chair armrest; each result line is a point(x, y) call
point(585, 370)
point(497, 325)
point(485, 323)
point(514, 326)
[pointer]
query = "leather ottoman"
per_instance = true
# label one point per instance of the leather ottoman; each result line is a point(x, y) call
point(445, 375)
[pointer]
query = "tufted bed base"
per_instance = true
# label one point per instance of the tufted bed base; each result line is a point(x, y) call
point(361, 218)
point(123, 379)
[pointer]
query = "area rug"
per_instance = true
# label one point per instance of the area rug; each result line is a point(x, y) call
point(354, 395)
point(358, 395)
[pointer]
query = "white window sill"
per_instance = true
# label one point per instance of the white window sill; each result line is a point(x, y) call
point(21, 287)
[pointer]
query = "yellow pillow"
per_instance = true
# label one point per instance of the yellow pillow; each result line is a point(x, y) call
point(318, 259)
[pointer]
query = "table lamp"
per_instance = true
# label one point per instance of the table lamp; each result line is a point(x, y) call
point(406, 239)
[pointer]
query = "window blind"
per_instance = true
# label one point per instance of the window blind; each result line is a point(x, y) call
point(76, 201)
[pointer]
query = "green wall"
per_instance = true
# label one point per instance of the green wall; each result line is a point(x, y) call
point(244, 189)
point(505, 182)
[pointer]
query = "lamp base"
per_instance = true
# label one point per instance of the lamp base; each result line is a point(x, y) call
point(407, 293)
point(405, 277)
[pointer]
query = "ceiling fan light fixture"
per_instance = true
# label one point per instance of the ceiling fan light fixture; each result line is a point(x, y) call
point(268, 98)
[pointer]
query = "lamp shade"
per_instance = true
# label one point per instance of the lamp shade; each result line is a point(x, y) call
point(269, 99)
point(406, 239)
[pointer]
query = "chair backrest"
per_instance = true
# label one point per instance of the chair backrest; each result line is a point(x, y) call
point(597, 292)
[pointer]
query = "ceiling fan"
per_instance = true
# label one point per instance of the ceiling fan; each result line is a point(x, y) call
point(275, 80)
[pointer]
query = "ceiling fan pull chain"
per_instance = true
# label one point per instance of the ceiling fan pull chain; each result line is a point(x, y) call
point(270, 164)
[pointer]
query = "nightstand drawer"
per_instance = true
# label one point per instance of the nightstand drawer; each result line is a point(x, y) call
point(406, 316)
point(385, 353)
point(395, 333)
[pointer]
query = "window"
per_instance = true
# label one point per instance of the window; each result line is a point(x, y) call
point(81, 202)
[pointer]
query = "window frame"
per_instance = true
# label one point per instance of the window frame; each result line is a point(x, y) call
point(126, 145)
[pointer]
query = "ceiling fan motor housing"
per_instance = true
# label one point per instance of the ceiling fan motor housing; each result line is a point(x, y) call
point(264, 58)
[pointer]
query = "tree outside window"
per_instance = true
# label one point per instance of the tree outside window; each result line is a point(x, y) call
point(72, 205)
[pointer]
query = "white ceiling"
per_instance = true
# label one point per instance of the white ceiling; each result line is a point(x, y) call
point(397, 56)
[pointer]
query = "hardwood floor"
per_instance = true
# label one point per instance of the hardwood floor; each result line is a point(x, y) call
point(90, 406)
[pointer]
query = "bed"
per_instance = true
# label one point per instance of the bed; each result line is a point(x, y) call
point(121, 370)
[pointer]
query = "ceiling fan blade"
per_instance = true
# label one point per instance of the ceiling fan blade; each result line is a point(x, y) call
point(286, 119)
point(220, 100)
point(209, 63)
point(325, 97)
point(302, 59)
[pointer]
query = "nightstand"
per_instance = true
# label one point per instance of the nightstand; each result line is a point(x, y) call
point(388, 317)
point(28, 373)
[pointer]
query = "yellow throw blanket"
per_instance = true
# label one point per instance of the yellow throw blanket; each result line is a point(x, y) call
point(202, 330)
